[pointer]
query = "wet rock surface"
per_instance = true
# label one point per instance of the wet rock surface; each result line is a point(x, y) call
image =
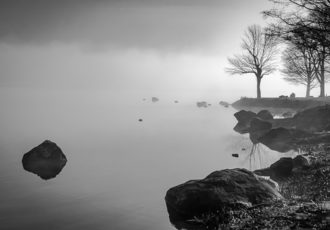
point(46, 160)
point(220, 189)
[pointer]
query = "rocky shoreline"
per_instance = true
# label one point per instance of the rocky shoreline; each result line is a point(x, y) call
point(290, 194)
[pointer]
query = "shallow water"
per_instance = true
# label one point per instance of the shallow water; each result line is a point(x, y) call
point(118, 168)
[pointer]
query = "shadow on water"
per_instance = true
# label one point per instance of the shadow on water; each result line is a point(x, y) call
point(46, 160)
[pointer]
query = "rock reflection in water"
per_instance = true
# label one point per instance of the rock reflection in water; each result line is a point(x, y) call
point(46, 160)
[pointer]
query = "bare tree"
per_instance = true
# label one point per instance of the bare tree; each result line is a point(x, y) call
point(309, 20)
point(299, 67)
point(258, 57)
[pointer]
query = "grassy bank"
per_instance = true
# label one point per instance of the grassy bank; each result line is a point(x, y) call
point(281, 104)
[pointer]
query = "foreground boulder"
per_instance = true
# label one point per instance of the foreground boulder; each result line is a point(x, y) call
point(46, 160)
point(220, 189)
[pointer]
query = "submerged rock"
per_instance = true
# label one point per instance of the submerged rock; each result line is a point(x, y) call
point(225, 188)
point(46, 160)
point(235, 155)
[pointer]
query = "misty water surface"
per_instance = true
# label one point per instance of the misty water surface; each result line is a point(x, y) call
point(118, 168)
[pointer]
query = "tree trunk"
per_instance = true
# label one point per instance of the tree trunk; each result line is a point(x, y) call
point(258, 87)
point(308, 89)
point(322, 82)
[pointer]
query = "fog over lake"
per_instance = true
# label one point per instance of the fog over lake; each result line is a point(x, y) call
point(77, 74)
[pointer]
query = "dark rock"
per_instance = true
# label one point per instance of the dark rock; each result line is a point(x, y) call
point(235, 155)
point(140, 120)
point(258, 128)
point(176, 101)
point(265, 115)
point(225, 188)
point(201, 104)
point(300, 162)
point(154, 99)
point(281, 169)
point(313, 120)
point(282, 139)
point(46, 160)
point(243, 149)
point(244, 118)
point(224, 103)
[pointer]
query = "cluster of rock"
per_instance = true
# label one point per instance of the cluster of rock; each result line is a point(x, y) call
point(307, 127)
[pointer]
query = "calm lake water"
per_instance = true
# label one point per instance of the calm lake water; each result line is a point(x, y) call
point(118, 168)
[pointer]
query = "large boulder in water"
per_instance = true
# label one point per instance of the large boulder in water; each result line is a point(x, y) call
point(220, 189)
point(46, 160)
point(244, 118)
point(258, 128)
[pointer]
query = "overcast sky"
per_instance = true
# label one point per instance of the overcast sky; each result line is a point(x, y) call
point(145, 46)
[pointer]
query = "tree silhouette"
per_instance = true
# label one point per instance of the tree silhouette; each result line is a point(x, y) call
point(299, 67)
point(258, 57)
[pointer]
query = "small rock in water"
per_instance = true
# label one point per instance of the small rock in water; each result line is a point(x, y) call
point(235, 155)
point(201, 104)
point(176, 101)
point(243, 149)
point(46, 160)
point(154, 99)
point(140, 120)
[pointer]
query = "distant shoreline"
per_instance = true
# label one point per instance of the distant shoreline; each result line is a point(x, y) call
point(280, 104)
